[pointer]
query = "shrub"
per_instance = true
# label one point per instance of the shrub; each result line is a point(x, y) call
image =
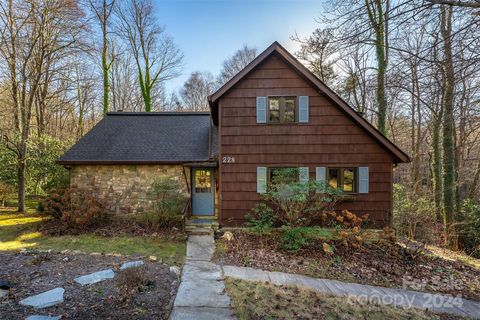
point(6, 191)
point(83, 210)
point(468, 227)
point(170, 202)
point(413, 215)
point(131, 281)
point(260, 219)
point(292, 239)
point(299, 203)
point(53, 205)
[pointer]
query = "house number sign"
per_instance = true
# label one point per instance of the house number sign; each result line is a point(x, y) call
point(228, 159)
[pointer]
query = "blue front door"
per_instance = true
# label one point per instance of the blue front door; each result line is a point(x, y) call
point(202, 192)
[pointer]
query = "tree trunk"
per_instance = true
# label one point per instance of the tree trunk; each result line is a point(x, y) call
point(379, 23)
point(21, 184)
point(105, 64)
point(437, 168)
point(448, 124)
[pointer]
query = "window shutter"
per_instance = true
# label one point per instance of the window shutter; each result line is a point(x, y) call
point(363, 180)
point(320, 177)
point(261, 179)
point(303, 109)
point(303, 174)
point(261, 109)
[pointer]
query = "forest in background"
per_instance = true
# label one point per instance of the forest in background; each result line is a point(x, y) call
point(410, 67)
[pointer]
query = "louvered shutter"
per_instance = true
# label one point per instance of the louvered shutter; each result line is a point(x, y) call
point(303, 109)
point(363, 180)
point(261, 109)
point(320, 177)
point(261, 179)
point(303, 174)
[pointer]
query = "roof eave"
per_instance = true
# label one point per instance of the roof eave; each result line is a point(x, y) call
point(126, 162)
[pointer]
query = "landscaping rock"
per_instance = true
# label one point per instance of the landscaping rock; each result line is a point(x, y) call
point(3, 293)
point(95, 277)
point(40, 317)
point(153, 258)
point(131, 264)
point(176, 270)
point(5, 285)
point(44, 300)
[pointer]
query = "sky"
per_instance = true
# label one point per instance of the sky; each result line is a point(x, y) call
point(209, 31)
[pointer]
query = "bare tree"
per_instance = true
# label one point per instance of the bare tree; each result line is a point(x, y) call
point(103, 10)
point(195, 91)
point(31, 34)
point(233, 65)
point(126, 94)
point(316, 51)
point(156, 56)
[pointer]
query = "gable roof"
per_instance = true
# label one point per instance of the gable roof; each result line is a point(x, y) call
point(145, 137)
point(276, 48)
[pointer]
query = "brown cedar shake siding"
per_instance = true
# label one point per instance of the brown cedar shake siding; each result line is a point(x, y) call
point(329, 139)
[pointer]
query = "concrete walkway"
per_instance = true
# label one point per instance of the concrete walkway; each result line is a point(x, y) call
point(396, 297)
point(201, 294)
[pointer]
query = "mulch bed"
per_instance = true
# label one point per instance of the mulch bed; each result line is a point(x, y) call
point(35, 272)
point(384, 264)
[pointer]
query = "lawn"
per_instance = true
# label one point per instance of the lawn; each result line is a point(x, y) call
point(256, 300)
point(18, 231)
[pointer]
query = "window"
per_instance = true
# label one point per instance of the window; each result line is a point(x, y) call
point(202, 181)
point(282, 175)
point(344, 179)
point(282, 109)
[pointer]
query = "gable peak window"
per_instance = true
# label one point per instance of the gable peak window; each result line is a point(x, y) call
point(282, 109)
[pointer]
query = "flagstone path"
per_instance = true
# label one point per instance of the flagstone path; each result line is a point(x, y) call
point(201, 294)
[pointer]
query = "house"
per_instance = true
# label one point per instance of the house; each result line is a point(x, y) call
point(272, 114)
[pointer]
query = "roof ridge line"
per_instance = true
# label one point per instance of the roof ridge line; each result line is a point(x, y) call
point(160, 113)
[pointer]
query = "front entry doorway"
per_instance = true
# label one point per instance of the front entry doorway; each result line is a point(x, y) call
point(203, 198)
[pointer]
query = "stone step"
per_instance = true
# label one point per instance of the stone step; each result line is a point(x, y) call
point(200, 231)
point(190, 228)
point(204, 217)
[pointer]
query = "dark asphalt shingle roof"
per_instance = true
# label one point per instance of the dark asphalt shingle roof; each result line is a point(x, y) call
point(145, 137)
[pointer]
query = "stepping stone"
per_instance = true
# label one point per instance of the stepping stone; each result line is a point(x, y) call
point(38, 317)
point(44, 300)
point(202, 313)
point(200, 248)
point(131, 264)
point(3, 293)
point(95, 277)
point(5, 285)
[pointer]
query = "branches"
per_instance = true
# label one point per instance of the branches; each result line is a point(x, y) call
point(457, 3)
point(156, 56)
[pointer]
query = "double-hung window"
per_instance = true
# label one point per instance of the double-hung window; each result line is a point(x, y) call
point(344, 179)
point(282, 109)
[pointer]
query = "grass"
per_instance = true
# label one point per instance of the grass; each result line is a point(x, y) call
point(447, 254)
point(18, 231)
point(256, 300)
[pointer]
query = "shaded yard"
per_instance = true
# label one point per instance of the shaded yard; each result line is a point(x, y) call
point(21, 231)
point(256, 300)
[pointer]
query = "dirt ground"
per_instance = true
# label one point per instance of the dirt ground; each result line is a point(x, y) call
point(374, 264)
point(32, 273)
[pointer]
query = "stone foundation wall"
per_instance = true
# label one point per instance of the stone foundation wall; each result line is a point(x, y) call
point(125, 188)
